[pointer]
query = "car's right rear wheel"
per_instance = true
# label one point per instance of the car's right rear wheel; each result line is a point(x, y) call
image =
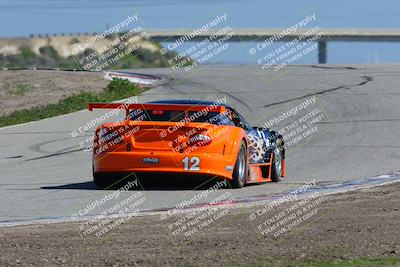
point(240, 171)
point(276, 165)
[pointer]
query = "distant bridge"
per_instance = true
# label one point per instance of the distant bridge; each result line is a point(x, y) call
point(259, 35)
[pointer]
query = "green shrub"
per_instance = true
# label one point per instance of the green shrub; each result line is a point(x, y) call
point(117, 89)
point(26, 52)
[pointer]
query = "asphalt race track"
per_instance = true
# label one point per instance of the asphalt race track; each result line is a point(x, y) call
point(44, 173)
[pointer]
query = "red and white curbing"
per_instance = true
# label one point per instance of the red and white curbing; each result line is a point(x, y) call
point(327, 189)
point(142, 79)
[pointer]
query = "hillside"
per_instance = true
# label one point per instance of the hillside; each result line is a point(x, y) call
point(116, 51)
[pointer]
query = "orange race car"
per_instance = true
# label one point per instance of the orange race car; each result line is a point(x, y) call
point(186, 137)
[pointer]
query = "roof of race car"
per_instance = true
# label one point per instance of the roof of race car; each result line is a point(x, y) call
point(188, 102)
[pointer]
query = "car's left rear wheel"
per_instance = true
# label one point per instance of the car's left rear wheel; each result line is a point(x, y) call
point(102, 180)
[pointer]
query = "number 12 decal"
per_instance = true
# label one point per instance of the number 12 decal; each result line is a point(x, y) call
point(194, 163)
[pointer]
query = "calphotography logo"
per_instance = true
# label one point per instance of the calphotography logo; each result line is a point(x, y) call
point(290, 210)
point(109, 212)
point(303, 43)
point(105, 50)
point(215, 36)
point(299, 123)
point(200, 211)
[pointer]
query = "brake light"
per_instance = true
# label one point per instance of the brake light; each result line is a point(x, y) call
point(200, 140)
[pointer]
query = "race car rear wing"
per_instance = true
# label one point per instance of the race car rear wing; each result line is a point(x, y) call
point(151, 106)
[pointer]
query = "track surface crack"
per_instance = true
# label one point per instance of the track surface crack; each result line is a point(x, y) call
point(366, 79)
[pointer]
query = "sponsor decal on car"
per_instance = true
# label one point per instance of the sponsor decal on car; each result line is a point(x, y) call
point(151, 160)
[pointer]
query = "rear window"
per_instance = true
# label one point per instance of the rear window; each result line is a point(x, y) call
point(176, 116)
point(211, 117)
point(157, 115)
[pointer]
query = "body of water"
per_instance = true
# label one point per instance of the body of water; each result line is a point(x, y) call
point(25, 17)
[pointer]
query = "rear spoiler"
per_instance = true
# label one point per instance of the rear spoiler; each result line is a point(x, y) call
point(150, 106)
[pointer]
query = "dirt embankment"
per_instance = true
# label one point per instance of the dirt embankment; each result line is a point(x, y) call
point(64, 45)
point(24, 89)
point(360, 224)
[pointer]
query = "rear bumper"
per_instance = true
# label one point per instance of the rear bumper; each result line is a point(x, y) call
point(214, 164)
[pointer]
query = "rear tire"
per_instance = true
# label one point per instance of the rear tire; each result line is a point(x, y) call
point(276, 172)
point(102, 180)
point(240, 171)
